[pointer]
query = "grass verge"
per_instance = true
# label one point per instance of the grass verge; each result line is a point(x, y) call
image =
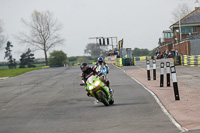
point(18, 71)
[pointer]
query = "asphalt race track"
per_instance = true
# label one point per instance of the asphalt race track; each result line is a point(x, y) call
point(52, 101)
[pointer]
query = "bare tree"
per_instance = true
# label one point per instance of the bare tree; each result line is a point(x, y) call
point(2, 36)
point(43, 32)
point(181, 11)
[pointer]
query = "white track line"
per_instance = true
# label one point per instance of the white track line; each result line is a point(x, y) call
point(182, 129)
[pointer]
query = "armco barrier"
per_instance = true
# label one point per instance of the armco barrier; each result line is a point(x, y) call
point(190, 60)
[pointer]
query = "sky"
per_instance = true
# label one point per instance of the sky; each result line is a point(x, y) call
point(139, 22)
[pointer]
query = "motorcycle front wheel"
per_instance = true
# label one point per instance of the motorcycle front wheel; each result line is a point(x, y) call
point(102, 98)
point(111, 101)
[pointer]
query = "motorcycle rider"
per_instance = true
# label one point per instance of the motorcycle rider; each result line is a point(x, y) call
point(101, 62)
point(87, 72)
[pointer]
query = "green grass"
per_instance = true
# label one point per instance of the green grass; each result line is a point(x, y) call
point(18, 71)
point(40, 65)
point(17, 66)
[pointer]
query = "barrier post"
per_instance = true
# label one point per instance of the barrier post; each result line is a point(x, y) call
point(148, 70)
point(161, 74)
point(168, 73)
point(154, 69)
point(175, 84)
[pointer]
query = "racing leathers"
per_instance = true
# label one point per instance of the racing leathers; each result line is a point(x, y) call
point(103, 63)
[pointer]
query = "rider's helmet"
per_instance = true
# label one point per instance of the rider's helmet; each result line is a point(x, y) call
point(83, 67)
point(100, 60)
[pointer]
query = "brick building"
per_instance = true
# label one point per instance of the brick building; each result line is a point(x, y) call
point(189, 27)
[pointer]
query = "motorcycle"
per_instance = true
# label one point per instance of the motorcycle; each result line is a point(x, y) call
point(102, 69)
point(99, 90)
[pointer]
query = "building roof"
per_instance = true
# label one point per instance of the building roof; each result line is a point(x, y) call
point(167, 31)
point(190, 19)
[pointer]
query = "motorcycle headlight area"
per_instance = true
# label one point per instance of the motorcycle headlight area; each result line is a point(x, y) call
point(97, 83)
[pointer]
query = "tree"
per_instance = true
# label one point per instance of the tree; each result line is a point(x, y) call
point(27, 59)
point(2, 36)
point(140, 52)
point(11, 61)
point(57, 58)
point(181, 11)
point(93, 49)
point(153, 52)
point(83, 59)
point(43, 32)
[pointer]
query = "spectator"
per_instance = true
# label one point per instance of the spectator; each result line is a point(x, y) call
point(176, 52)
point(166, 53)
point(172, 52)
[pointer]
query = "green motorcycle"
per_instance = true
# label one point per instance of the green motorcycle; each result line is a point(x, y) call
point(99, 90)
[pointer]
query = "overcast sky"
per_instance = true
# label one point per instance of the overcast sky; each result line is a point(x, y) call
point(139, 22)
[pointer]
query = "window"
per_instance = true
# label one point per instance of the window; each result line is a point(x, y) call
point(168, 34)
point(194, 29)
point(188, 29)
point(165, 35)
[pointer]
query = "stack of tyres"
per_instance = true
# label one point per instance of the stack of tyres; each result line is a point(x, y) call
point(123, 62)
point(128, 62)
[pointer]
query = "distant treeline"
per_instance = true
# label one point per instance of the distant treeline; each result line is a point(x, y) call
point(4, 65)
point(77, 58)
point(80, 59)
point(143, 52)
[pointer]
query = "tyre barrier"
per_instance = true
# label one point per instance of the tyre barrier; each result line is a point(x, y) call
point(125, 62)
point(190, 60)
point(118, 62)
point(138, 58)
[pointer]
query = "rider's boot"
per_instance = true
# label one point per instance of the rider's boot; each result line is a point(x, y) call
point(96, 101)
point(111, 92)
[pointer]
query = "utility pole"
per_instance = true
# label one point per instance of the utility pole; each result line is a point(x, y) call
point(180, 28)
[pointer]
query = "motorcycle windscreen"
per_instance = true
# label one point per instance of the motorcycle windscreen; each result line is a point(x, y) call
point(91, 79)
